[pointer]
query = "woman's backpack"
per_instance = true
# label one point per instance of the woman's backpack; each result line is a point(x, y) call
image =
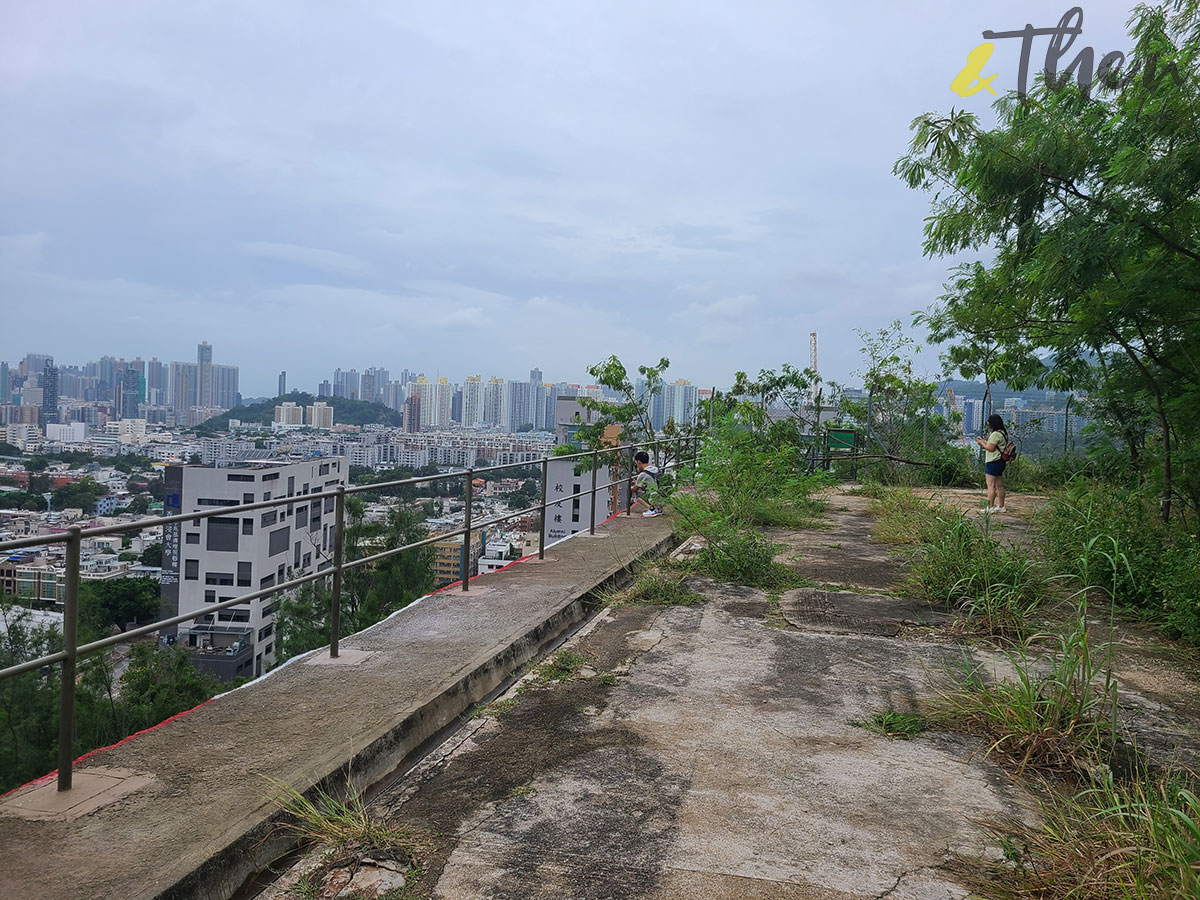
point(1009, 451)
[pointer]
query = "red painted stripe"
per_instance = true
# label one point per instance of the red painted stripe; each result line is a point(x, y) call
point(54, 774)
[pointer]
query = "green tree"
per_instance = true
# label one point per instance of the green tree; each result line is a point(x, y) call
point(369, 593)
point(108, 603)
point(29, 702)
point(1089, 203)
point(139, 505)
point(152, 555)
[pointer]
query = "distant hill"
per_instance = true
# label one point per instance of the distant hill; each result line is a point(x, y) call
point(345, 412)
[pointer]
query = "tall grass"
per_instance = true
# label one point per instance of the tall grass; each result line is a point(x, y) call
point(994, 587)
point(1137, 840)
point(1058, 712)
point(745, 482)
point(1149, 569)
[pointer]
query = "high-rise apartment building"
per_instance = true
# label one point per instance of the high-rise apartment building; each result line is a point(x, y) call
point(679, 402)
point(412, 413)
point(367, 386)
point(325, 389)
point(184, 388)
point(282, 383)
point(5, 384)
point(472, 404)
point(493, 401)
point(346, 384)
point(204, 374)
point(393, 395)
point(215, 559)
point(516, 412)
point(288, 413)
point(49, 393)
point(320, 415)
point(156, 383)
point(424, 390)
point(225, 387)
point(130, 392)
point(535, 376)
point(443, 394)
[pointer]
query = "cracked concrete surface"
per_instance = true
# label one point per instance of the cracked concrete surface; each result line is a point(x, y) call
point(722, 763)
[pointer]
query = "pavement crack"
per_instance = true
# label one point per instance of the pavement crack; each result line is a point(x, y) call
point(895, 885)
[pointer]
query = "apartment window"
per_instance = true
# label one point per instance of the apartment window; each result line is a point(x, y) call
point(223, 534)
point(191, 570)
point(266, 495)
point(296, 555)
point(307, 561)
point(270, 517)
point(328, 504)
point(208, 501)
point(301, 516)
point(324, 470)
point(233, 615)
point(279, 573)
point(268, 610)
point(247, 526)
point(271, 476)
point(266, 631)
point(269, 648)
point(243, 574)
point(291, 485)
point(234, 476)
point(225, 578)
point(247, 498)
point(268, 581)
point(278, 541)
point(192, 537)
point(210, 596)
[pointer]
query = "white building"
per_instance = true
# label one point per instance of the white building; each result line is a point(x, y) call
point(70, 433)
point(320, 415)
point(209, 560)
point(472, 408)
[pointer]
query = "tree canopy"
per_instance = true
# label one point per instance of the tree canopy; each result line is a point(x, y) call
point(1088, 203)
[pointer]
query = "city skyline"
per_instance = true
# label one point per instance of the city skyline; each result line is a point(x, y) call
point(711, 184)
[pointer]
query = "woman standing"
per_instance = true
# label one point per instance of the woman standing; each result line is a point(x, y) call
point(993, 464)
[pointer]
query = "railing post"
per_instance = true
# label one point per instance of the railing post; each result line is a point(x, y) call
point(595, 464)
point(466, 554)
point(335, 610)
point(66, 705)
point(542, 518)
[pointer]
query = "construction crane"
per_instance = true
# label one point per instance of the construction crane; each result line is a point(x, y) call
point(812, 364)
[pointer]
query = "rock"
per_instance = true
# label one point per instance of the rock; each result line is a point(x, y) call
point(366, 881)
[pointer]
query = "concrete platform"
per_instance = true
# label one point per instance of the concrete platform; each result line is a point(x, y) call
point(200, 820)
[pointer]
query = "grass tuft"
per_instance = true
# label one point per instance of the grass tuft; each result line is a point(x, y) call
point(904, 726)
point(344, 825)
point(657, 587)
point(561, 666)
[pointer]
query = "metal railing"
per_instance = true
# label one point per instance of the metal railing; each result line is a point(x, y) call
point(73, 538)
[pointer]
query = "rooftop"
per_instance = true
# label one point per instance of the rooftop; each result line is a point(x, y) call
point(704, 750)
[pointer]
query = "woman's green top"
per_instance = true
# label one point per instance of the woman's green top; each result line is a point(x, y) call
point(1000, 439)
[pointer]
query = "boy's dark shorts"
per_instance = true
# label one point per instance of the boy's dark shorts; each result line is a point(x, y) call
point(995, 467)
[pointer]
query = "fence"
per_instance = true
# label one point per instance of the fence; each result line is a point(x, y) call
point(74, 536)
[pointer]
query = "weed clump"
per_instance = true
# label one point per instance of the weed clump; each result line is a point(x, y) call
point(657, 587)
point(561, 666)
point(1058, 712)
point(902, 726)
point(345, 826)
point(1113, 841)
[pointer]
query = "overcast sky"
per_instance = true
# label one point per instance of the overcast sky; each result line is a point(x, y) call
point(463, 188)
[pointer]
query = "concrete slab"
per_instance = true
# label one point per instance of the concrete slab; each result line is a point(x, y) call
point(91, 790)
point(344, 658)
point(206, 821)
point(812, 609)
